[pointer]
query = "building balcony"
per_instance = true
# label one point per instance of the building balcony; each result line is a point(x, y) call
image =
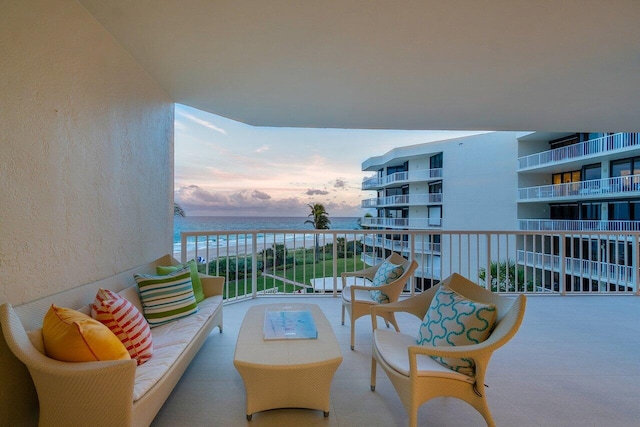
point(606, 145)
point(402, 223)
point(576, 225)
point(607, 275)
point(403, 200)
point(547, 345)
point(418, 175)
point(267, 262)
point(416, 244)
point(609, 188)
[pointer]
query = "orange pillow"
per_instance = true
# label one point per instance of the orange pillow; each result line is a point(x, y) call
point(71, 336)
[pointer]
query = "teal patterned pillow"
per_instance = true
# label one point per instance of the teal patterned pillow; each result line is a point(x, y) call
point(455, 320)
point(385, 274)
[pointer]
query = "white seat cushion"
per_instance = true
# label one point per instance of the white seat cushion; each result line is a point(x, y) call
point(393, 347)
point(169, 340)
point(361, 296)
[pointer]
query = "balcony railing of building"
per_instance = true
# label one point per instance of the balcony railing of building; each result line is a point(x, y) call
point(403, 200)
point(402, 223)
point(600, 275)
point(593, 147)
point(294, 262)
point(396, 244)
point(417, 175)
point(576, 225)
point(592, 189)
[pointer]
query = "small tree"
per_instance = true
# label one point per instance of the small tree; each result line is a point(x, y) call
point(499, 273)
point(319, 218)
point(177, 210)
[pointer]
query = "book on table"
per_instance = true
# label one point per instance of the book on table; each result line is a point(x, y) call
point(285, 323)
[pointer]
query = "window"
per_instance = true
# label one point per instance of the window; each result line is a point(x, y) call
point(620, 211)
point(435, 162)
point(395, 169)
point(590, 211)
point(565, 177)
point(568, 211)
point(435, 215)
point(435, 188)
point(591, 172)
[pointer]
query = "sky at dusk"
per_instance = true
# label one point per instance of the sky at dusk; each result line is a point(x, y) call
point(227, 168)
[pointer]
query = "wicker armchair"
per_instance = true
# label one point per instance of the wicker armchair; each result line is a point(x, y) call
point(418, 378)
point(357, 301)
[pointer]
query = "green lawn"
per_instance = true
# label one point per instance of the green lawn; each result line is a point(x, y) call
point(300, 270)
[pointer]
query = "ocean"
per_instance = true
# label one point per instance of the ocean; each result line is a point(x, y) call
point(228, 223)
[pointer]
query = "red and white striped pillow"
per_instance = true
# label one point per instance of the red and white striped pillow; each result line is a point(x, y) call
point(126, 322)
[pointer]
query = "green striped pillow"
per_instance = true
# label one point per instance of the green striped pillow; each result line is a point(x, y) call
point(166, 298)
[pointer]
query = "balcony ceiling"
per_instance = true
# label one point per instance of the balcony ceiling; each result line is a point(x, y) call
point(378, 64)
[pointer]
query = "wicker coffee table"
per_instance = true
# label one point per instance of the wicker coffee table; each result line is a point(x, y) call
point(286, 373)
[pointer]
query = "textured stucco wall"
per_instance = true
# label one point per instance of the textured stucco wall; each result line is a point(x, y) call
point(86, 153)
point(86, 165)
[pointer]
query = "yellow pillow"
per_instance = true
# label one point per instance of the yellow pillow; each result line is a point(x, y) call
point(71, 336)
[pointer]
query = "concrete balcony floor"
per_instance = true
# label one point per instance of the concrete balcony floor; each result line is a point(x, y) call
point(574, 362)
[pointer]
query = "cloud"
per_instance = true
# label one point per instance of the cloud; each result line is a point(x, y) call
point(262, 149)
point(312, 192)
point(204, 123)
point(340, 183)
point(257, 194)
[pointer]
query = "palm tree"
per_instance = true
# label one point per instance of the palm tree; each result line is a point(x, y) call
point(320, 221)
point(177, 210)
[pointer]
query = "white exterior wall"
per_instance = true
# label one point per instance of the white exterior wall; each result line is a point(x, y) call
point(87, 153)
point(479, 182)
point(86, 165)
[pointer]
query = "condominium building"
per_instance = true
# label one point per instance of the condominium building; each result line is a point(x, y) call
point(576, 184)
point(550, 190)
point(457, 184)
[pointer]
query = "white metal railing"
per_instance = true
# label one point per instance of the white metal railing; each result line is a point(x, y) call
point(293, 262)
point(606, 187)
point(397, 244)
point(375, 181)
point(603, 272)
point(605, 144)
point(576, 225)
point(402, 223)
point(404, 200)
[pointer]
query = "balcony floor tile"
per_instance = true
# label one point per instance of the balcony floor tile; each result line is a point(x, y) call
point(574, 362)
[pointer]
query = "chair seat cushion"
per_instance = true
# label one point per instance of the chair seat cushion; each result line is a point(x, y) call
point(393, 347)
point(361, 296)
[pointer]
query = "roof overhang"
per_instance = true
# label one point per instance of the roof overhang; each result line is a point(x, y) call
point(377, 64)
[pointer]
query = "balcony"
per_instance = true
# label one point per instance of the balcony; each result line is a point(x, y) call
point(551, 374)
point(577, 225)
point(609, 188)
point(611, 144)
point(402, 223)
point(397, 244)
point(290, 262)
point(417, 175)
point(403, 200)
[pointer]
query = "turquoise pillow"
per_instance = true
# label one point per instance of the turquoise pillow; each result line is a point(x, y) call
point(455, 320)
point(195, 277)
point(166, 298)
point(385, 274)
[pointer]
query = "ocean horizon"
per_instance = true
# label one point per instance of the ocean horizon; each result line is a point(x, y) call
point(249, 223)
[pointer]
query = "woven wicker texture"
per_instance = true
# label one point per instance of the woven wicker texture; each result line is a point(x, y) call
point(100, 393)
point(286, 373)
point(357, 301)
point(420, 386)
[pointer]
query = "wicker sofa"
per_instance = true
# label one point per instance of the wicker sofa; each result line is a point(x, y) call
point(111, 393)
